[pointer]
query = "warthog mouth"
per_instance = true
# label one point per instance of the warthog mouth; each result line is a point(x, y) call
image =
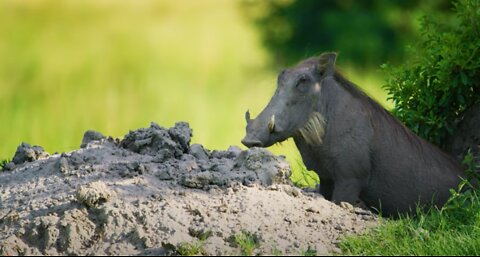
point(313, 130)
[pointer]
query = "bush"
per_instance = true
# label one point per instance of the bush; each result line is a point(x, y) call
point(441, 78)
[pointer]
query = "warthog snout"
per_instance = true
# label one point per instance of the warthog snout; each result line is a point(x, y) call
point(259, 131)
point(251, 142)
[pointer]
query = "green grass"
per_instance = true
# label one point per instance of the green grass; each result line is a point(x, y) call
point(247, 242)
point(69, 66)
point(190, 249)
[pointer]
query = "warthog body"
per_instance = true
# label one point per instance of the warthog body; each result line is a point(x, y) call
point(359, 150)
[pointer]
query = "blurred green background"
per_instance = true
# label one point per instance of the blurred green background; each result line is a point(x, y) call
point(113, 66)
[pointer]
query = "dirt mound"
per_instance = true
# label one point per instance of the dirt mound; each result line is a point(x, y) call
point(154, 193)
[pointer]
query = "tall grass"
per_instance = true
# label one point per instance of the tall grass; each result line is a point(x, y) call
point(112, 66)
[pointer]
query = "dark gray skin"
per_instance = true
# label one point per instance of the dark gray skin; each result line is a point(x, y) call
point(363, 153)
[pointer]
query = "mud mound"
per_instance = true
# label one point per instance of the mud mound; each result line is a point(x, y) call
point(154, 193)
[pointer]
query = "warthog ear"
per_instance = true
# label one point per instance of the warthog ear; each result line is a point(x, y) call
point(247, 116)
point(327, 63)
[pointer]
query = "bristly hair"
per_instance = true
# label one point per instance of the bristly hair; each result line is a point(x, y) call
point(314, 129)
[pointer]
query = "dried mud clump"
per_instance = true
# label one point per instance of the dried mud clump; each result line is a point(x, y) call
point(158, 141)
point(91, 136)
point(94, 193)
point(27, 153)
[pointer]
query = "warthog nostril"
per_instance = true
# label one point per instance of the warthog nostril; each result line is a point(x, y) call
point(251, 142)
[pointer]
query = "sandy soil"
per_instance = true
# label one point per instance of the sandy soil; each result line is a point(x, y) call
point(152, 193)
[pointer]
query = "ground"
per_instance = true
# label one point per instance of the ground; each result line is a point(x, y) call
point(152, 193)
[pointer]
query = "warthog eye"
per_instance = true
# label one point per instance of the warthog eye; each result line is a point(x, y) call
point(302, 84)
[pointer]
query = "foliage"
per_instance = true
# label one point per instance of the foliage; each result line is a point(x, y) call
point(472, 165)
point(441, 77)
point(247, 242)
point(3, 163)
point(368, 32)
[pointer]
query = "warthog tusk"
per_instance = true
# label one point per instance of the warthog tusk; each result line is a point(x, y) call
point(271, 124)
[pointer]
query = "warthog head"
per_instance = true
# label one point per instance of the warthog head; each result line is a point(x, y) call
point(293, 107)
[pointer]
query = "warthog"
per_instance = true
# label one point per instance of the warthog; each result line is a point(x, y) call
point(358, 149)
